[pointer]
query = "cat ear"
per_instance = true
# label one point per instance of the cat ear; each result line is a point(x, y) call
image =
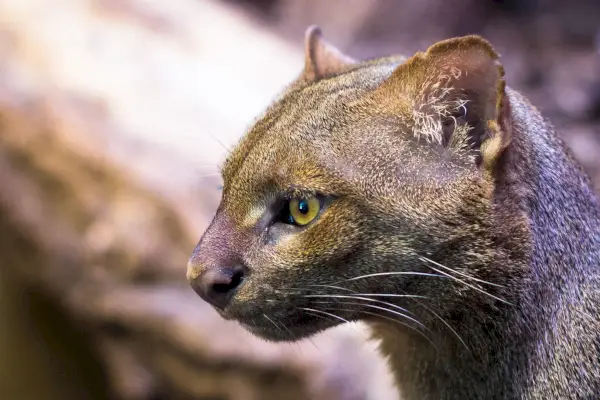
point(454, 94)
point(321, 58)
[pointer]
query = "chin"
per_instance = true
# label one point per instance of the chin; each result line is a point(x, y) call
point(287, 331)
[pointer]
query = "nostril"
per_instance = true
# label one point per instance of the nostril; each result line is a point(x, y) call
point(236, 279)
point(218, 285)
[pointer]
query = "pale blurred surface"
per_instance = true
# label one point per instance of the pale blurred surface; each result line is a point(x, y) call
point(114, 115)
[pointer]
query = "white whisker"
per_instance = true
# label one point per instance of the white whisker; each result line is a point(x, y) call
point(410, 296)
point(279, 326)
point(227, 149)
point(459, 273)
point(376, 307)
point(390, 273)
point(445, 323)
point(325, 313)
point(273, 322)
point(469, 285)
point(339, 296)
point(403, 324)
point(325, 317)
point(328, 318)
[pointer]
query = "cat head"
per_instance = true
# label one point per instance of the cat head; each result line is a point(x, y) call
point(362, 178)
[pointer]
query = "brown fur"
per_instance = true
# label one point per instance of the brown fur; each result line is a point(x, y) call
point(426, 166)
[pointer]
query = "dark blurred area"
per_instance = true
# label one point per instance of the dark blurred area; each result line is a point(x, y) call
point(114, 116)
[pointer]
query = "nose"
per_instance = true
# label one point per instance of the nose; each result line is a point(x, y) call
point(218, 285)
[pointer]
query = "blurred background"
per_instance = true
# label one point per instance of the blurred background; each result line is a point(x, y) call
point(114, 117)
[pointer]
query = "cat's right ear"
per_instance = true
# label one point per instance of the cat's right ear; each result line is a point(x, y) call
point(321, 59)
point(453, 94)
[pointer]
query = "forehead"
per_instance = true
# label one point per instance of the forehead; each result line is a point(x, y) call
point(316, 133)
point(299, 127)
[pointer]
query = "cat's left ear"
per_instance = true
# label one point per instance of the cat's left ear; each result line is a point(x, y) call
point(322, 59)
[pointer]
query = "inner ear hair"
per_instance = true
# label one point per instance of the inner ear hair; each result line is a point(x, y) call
point(487, 139)
point(454, 94)
point(462, 126)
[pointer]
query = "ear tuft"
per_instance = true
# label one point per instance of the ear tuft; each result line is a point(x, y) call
point(321, 58)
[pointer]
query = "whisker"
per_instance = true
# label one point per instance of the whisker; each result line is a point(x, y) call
point(287, 329)
point(227, 149)
point(292, 335)
point(325, 313)
point(445, 323)
point(471, 286)
point(393, 320)
point(318, 315)
point(459, 273)
point(390, 273)
point(273, 322)
point(339, 296)
point(410, 296)
point(328, 318)
point(378, 308)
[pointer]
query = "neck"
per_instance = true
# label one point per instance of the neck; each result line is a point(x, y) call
point(466, 356)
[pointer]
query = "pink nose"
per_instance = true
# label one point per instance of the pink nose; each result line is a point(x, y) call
point(218, 285)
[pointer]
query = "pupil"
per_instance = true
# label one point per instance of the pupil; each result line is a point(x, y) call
point(303, 207)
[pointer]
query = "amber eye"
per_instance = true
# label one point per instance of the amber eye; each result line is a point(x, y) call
point(303, 211)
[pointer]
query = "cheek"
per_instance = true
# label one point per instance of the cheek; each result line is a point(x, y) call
point(315, 254)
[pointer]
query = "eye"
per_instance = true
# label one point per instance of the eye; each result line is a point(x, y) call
point(302, 211)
